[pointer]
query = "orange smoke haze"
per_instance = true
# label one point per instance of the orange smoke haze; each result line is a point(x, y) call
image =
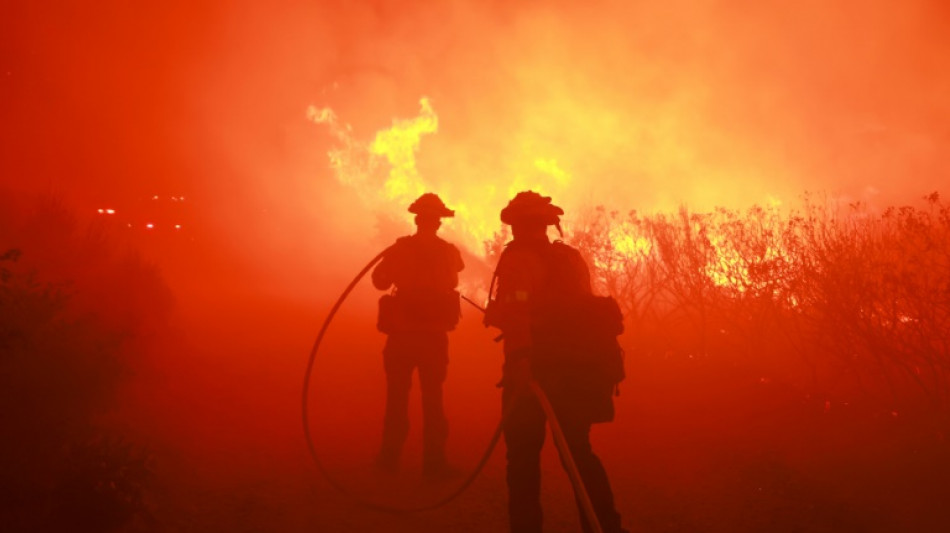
point(630, 105)
point(274, 147)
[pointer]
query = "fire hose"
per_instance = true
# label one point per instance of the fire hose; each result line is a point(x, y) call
point(559, 439)
point(309, 437)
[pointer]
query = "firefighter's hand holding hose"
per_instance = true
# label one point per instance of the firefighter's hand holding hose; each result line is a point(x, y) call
point(519, 379)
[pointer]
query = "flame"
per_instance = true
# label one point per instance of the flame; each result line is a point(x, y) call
point(727, 268)
point(726, 264)
point(386, 175)
point(399, 145)
point(628, 244)
point(350, 161)
point(385, 171)
point(357, 163)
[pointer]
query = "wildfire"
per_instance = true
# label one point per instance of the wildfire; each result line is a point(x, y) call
point(628, 244)
point(385, 173)
point(399, 145)
point(153, 213)
point(727, 269)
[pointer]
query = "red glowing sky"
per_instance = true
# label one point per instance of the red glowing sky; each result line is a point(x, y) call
point(645, 105)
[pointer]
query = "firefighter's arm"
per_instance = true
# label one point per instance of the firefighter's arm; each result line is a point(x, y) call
point(383, 274)
point(456, 265)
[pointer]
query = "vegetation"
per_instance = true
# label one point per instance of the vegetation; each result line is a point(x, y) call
point(748, 331)
point(844, 303)
point(75, 306)
point(802, 357)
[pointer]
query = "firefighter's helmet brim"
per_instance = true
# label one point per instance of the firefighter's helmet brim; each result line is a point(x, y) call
point(430, 204)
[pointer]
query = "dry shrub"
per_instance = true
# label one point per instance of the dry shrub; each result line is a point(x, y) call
point(76, 307)
point(841, 301)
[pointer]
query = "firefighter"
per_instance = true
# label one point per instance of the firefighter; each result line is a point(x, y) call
point(540, 288)
point(423, 305)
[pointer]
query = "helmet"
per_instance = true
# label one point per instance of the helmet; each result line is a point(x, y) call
point(430, 204)
point(529, 205)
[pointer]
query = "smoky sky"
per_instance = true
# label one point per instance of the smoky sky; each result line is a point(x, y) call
point(645, 105)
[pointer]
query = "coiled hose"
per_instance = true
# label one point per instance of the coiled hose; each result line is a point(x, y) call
point(309, 436)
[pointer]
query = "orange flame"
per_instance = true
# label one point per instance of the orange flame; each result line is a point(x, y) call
point(385, 174)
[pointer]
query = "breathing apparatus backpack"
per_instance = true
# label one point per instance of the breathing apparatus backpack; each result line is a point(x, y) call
point(576, 355)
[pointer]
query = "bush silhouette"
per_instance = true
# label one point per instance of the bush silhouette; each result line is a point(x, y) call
point(843, 302)
point(76, 307)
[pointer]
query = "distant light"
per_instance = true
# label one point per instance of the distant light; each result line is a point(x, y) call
point(129, 225)
point(150, 225)
point(155, 197)
point(110, 211)
point(101, 211)
point(177, 226)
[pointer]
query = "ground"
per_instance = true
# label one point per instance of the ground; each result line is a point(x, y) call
point(694, 447)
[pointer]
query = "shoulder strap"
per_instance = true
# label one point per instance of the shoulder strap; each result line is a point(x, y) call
point(494, 274)
point(567, 271)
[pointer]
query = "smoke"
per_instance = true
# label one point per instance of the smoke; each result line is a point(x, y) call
point(647, 106)
point(627, 104)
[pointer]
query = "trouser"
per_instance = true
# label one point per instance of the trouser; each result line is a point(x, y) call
point(524, 430)
point(404, 353)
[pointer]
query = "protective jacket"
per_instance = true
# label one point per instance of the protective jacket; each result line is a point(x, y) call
point(423, 272)
point(547, 311)
point(550, 317)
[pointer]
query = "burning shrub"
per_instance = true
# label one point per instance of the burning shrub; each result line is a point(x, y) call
point(841, 301)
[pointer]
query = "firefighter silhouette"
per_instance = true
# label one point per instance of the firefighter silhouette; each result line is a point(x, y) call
point(422, 270)
point(544, 306)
